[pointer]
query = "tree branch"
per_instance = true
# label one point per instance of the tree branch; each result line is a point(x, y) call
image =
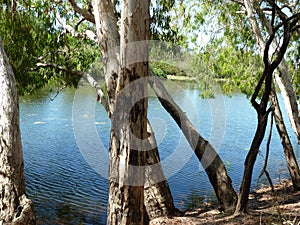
point(281, 15)
point(289, 26)
point(86, 14)
point(79, 22)
point(73, 31)
point(101, 97)
point(86, 34)
point(273, 13)
point(109, 43)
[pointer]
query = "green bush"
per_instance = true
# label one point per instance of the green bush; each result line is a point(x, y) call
point(162, 69)
point(159, 72)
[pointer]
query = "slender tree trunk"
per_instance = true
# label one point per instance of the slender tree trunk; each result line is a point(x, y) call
point(15, 207)
point(262, 121)
point(109, 43)
point(261, 108)
point(206, 154)
point(286, 143)
point(242, 202)
point(284, 83)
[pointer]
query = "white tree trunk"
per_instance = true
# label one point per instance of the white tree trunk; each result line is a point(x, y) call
point(15, 207)
point(286, 143)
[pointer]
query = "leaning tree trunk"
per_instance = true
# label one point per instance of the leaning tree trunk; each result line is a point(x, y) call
point(15, 207)
point(286, 143)
point(205, 152)
point(262, 121)
point(242, 202)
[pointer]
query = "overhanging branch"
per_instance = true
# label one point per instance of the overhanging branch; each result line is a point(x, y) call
point(101, 97)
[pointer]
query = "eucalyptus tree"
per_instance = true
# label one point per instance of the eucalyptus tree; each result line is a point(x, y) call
point(108, 36)
point(58, 58)
point(245, 54)
point(288, 25)
point(276, 35)
point(16, 208)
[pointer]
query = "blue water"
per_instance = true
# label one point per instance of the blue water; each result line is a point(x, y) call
point(65, 189)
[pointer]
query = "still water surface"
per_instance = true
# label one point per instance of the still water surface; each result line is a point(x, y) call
point(65, 189)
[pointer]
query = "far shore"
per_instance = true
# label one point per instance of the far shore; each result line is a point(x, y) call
point(180, 78)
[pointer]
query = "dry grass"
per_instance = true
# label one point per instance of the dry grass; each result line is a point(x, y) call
point(265, 207)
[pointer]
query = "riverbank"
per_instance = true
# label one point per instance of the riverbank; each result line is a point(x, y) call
point(265, 207)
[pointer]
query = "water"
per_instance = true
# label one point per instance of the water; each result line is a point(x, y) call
point(65, 189)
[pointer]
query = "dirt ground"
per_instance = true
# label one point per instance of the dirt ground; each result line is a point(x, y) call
point(265, 207)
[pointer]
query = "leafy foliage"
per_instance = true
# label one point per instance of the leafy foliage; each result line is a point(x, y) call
point(218, 32)
point(19, 31)
point(237, 68)
point(161, 19)
point(224, 47)
point(31, 34)
point(162, 69)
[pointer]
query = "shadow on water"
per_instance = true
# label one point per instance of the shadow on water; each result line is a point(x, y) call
point(67, 214)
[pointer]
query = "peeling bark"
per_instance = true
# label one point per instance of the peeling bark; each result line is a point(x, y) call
point(15, 207)
point(125, 61)
point(129, 119)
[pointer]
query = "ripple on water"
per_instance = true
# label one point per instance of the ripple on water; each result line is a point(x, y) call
point(65, 190)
